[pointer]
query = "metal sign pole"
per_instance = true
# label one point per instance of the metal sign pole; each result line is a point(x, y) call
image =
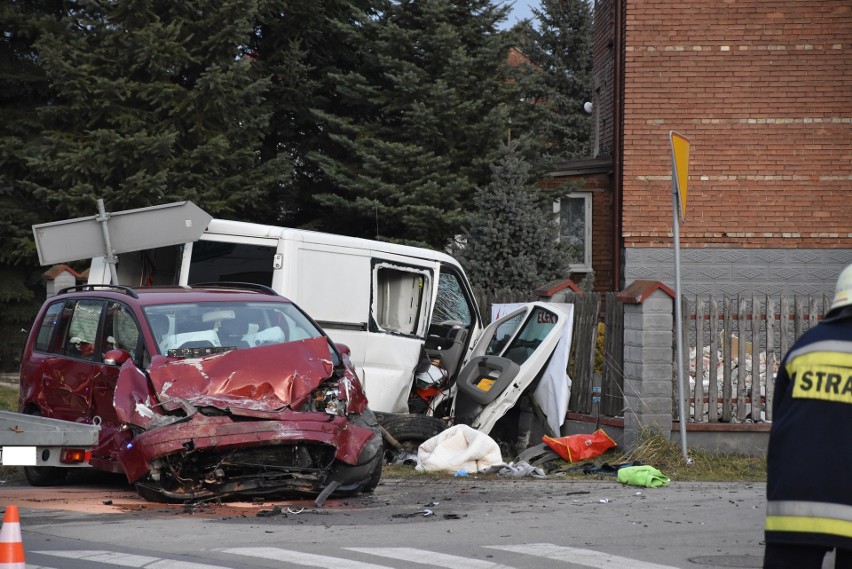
point(103, 218)
point(679, 323)
point(680, 178)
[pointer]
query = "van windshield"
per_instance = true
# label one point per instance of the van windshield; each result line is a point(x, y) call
point(227, 324)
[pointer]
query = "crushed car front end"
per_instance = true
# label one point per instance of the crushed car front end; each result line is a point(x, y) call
point(269, 419)
point(225, 456)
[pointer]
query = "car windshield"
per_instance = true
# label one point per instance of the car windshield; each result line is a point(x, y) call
point(227, 324)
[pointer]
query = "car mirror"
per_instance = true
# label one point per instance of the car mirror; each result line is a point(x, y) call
point(116, 357)
point(343, 349)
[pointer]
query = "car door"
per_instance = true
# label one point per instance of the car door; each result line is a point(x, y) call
point(74, 361)
point(120, 331)
point(512, 352)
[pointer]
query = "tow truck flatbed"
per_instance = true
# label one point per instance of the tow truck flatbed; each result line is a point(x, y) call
point(27, 440)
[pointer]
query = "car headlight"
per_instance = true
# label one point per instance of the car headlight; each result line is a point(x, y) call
point(326, 398)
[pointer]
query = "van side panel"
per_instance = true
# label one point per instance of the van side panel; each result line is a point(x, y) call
point(331, 285)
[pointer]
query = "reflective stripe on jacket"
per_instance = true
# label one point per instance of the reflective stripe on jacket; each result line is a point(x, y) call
point(809, 461)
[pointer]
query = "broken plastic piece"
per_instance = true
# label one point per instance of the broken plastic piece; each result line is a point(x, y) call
point(326, 492)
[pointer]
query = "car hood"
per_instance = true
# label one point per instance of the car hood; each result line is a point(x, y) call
point(252, 381)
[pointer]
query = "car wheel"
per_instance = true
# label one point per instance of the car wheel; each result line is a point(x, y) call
point(44, 475)
point(410, 430)
point(375, 478)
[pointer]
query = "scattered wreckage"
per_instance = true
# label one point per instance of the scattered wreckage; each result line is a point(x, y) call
point(409, 315)
point(423, 357)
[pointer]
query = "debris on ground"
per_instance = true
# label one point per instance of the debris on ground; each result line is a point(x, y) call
point(460, 447)
point(645, 475)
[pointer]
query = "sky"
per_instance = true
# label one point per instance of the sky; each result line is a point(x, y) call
point(520, 11)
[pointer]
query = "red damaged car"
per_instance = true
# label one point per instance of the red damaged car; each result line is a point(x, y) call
point(214, 391)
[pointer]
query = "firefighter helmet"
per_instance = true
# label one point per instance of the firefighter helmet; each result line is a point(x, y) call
point(843, 290)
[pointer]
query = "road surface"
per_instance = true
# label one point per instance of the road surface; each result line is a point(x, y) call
point(458, 523)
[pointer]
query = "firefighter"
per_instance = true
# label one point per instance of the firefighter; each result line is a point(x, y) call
point(809, 462)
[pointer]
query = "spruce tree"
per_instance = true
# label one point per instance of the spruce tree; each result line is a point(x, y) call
point(24, 88)
point(153, 101)
point(559, 44)
point(416, 125)
point(510, 241)
point(303, 47)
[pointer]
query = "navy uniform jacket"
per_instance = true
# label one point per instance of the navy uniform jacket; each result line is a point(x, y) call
point(809, 462)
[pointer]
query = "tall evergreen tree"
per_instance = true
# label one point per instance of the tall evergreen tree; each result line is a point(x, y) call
point(511, 239)
point(559, 44)
point(303, 47)
point(416, 125)
point(23, 89)
point(153, 101)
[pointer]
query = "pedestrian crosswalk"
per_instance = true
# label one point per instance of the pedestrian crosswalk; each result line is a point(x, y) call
point(534, 555)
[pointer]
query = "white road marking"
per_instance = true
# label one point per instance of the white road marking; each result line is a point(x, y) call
point(299, 558)
point(574, 555)
point(427, 557)
point(577, 556)
point(129, 560)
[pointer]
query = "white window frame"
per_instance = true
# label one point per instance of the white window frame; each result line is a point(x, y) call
point(586, 265)
point(397, 307)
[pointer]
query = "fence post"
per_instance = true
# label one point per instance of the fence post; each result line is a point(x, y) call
point(698, 412)
point(612, 389)
point(648, 358)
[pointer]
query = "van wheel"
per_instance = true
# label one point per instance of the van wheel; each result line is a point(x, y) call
point(44, 475)
point(409, 429)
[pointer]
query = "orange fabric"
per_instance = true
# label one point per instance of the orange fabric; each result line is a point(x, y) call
point(574, 448)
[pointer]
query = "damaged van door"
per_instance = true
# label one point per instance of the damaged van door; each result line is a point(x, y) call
point(524, 352)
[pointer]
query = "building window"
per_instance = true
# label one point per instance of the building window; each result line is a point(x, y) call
point(574, 216)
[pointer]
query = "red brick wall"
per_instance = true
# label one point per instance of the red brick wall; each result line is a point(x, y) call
point(603, 43)
point(763, 90)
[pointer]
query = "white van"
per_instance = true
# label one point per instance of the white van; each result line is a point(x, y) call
point(408, 314)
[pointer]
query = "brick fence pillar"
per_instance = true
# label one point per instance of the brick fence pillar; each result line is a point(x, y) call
point(648, 359)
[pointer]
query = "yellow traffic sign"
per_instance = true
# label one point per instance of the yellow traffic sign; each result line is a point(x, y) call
point(680, 167)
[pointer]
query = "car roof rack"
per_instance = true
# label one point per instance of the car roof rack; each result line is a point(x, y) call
point(237, 284)
point(93, 287)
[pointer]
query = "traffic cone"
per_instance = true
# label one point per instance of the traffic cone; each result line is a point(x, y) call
point(11, 546)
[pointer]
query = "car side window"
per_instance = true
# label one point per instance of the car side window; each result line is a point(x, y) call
point(121, 331)
point(47, 326)
point(83, 330)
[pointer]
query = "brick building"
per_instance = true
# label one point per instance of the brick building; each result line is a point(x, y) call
point(763, 90)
